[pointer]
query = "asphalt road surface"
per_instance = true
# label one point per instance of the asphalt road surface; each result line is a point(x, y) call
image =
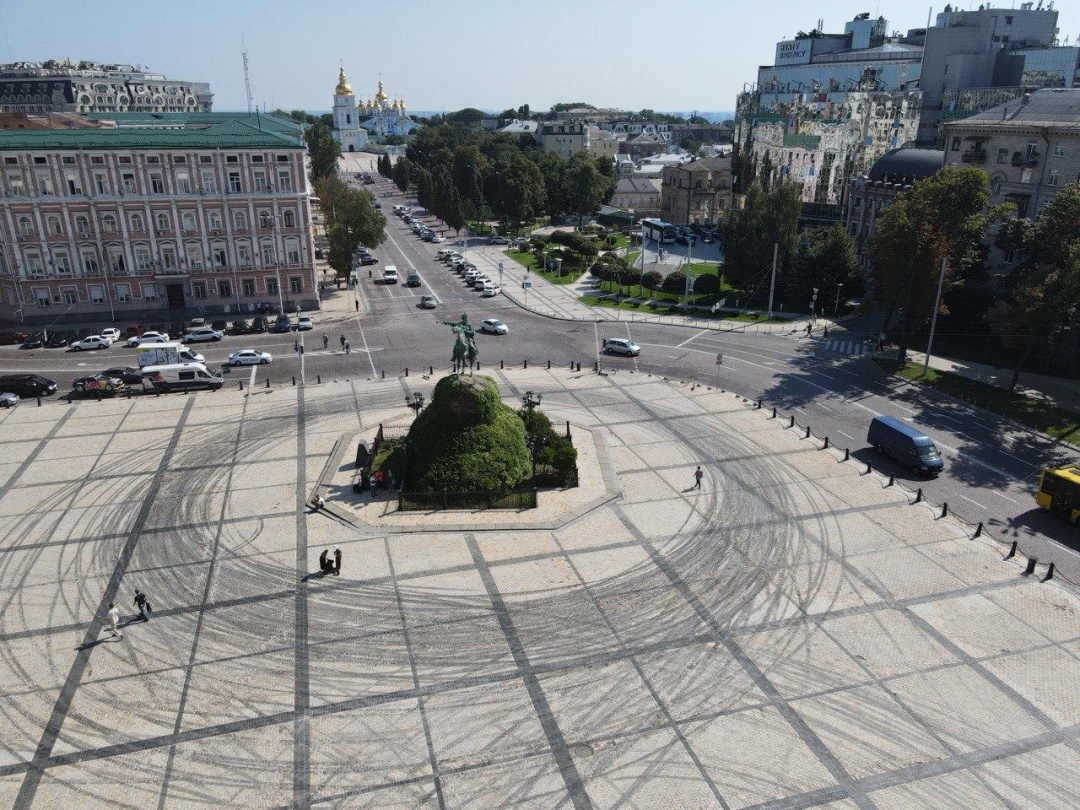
point(991, 465)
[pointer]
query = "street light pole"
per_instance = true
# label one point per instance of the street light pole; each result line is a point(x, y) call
point(270, 221)
point(933, 320)
point(836, 306)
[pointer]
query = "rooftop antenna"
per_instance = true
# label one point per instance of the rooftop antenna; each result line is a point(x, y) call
point(247, 78)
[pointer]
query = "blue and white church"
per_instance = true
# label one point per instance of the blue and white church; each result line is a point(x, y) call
point(347, 129)
point(355, 123)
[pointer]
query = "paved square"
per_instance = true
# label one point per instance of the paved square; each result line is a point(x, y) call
point(793, 634)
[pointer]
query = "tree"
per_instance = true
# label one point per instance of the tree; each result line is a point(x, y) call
point(943, 217)
point(519, 190)
point(823, 259)
point(351, 220)
point(323, 150)
point(767, 219)
point(1044, 290)
point(586, 187)
point(401, 173)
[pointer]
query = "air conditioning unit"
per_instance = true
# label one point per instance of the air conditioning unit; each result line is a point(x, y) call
point(160, 233)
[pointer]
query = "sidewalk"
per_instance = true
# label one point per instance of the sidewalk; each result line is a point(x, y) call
point(563, 302)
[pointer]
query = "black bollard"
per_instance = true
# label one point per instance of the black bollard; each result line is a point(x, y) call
point(807, 436)
point(39, 402)
point(241, 384)
point(847, 453)
point(918, 495)
point(979, 529)
point(431, 371)
point(294, 382)
point(318, 379)
point(826, 447)
point(384, 373)
point(1012, 551)
point(267, 382)
point(892, 478)
point(549, 365)
point(525, 364)
point(501, 365)
point(1049, 573)
point(1031, 563)
point(773, 413)
point(406, 371)
point(791, 424)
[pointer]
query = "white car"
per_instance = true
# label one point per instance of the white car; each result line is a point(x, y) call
point(112, 333)
point(494, 326)
point(250, 357)
point(148, 337)
point(622, 346)
point(439, 238)
point(304, 324)
point(203, 335)
point(92, 342)
point(490, 291)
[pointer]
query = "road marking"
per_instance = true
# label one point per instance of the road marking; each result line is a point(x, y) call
point(692, 337)
point(966, 498)
point(251, 378)
point(848, 435)
point(1006, 497)
point(363, 339)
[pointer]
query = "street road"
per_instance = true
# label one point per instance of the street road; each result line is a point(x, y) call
point(992, 466)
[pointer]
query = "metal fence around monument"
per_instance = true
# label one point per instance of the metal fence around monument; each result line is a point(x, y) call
point(435, 501)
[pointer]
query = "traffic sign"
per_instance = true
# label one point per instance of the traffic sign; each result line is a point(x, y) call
point(528, 285)
point(719, 358)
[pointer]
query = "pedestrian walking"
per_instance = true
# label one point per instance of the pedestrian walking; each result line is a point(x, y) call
point(325, 342)
point(320, 503)
point(114, 620)
point(357, 303)
point(337, 561)
point(373, 482)
point(346, 347)
point(143, 604)
point(809, 328)
point(342, 338)
point(326, 565)
point(698, 475)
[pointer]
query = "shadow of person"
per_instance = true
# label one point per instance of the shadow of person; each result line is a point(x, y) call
point(91, 644)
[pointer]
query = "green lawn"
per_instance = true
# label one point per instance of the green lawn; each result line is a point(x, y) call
point(643, 306)
point(1034, 413)
point(530, 261)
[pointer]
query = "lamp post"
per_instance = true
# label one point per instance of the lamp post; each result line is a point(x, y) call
point(535, 445)
point(270, 221)
point(416, 402)
point(813, 305)
point(836, 306)
point(531, 400)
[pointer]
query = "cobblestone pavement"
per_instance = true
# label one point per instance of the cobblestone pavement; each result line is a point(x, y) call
point(793, 634)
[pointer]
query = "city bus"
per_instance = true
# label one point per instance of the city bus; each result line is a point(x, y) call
point(1059, 492)
point(661, 232)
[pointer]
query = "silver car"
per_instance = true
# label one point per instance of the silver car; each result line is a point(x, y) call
point(8, 399)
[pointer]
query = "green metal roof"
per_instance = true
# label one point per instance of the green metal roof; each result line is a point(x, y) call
point(165, 131)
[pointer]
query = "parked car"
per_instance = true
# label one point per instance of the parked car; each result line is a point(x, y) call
point(304, 324)
point(259, 323)
point(8, 399)
point(98, 385)
point(112, 333)
point(684, 239)
point(494, 326)
point(27, 385)
point(708, 238)
point(134, 330)
point(250, 357)
point(203, 335)
point(10, 337)
point(90, 343)
point(196, 323)
point(491, 290)
point(438, 238)
point(427, 302)
point(367, 259)
point(240, 327)
point(129, 374)
point(59, 339)
point(220, 326)
point(148, 337)
point(35, 341)
point(498, 240)
point(282, 323)
point(622, 346)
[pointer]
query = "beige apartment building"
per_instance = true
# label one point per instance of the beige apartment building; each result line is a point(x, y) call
point(155, 217)
point(696, 193)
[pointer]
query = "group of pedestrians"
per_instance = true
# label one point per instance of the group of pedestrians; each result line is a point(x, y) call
point(112, 616)
point(330, 566)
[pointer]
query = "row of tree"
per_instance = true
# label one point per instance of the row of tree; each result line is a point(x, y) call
point(463, 174)
point(351, 220)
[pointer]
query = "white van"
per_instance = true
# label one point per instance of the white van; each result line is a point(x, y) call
point(181, 377)
point(390, 274)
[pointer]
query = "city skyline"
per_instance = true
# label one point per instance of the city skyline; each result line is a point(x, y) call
point(487, 54)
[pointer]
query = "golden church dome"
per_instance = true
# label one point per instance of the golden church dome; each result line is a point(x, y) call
point(343, 88)
point(380, 97)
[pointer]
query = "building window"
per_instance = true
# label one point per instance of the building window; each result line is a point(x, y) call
point(234, 182)
point(205, 159)
point(198, 289)
point(108, 223)
point(10, 161)
point(97, 160)
point(188, 220)
point(268, 254)
point(116, 261)
point(247, 287)
point(34, 265)
point(16, 186)
point(142, 258)
point(243, 255)
point(240, 220)
point(168, 258)
point(284, 180)
point(157, 185)
point(153, 159)
point(224, 289)
point(40, 161)
point(137, 224)
point(288, 219)
point(125, 159)
point(292, 253)
point(149, 292)
point(1052, 178)
point(215, 220)
point(1059, 149)
point(123, 293)
point(282, 158)
point(179, 159)
point(41, 297)
point(219, 254)
point(183, 185)
point(271, 286)
point(1003, 156)
point(232, 159)
point(62, 263)
point(296, 284)
point(96, 293)
point(53, 223)
point(90, 264)
point(45, 186)
point(955, 143)
point(256, 158)
point(209, 184)
point(74, 185)
point(260, 181)
point(70, 295)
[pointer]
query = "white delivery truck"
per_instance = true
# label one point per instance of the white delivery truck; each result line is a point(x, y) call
point(181, 377)
point(157, 354)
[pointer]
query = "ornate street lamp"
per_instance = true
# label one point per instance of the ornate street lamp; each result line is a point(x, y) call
point(531, 400)
point(416, 402)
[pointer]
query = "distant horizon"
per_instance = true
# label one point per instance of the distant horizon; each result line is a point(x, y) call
point(714, 116)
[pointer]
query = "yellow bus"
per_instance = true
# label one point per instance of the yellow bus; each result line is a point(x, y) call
point(1059, 492)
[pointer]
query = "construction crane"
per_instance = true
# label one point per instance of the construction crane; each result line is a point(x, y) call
point(247, 82)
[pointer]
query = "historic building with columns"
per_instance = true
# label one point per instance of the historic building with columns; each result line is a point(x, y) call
point(347, 129)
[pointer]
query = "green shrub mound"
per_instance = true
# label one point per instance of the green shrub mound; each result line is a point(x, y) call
point(556, 451)
point(466, 440)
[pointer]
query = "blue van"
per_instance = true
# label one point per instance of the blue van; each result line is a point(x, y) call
point(905, 444)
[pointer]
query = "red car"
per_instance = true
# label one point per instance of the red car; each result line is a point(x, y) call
point(10, 337)
point(134, 330)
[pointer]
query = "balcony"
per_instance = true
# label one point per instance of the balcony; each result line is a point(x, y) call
point(1025, 160)
point(974, 156)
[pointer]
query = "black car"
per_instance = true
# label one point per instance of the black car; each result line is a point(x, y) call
point(683, 239)
point(59, 339)
point(258, 323)
point(282, 324)
point(129, 374)
point(35, 341)
point(240, 327)
point(367, 259)
point(220, 326)
point(27, 385)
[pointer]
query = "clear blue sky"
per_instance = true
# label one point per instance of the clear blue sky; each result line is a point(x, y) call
point(444, 55)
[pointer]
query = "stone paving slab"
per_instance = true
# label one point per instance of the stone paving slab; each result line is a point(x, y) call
point(793, 634)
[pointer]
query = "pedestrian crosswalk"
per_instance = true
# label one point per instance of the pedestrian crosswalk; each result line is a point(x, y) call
point(848, 348)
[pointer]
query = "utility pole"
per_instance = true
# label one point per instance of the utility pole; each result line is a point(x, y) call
point(247, 81)
point(933, 319)
point(772, 281)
